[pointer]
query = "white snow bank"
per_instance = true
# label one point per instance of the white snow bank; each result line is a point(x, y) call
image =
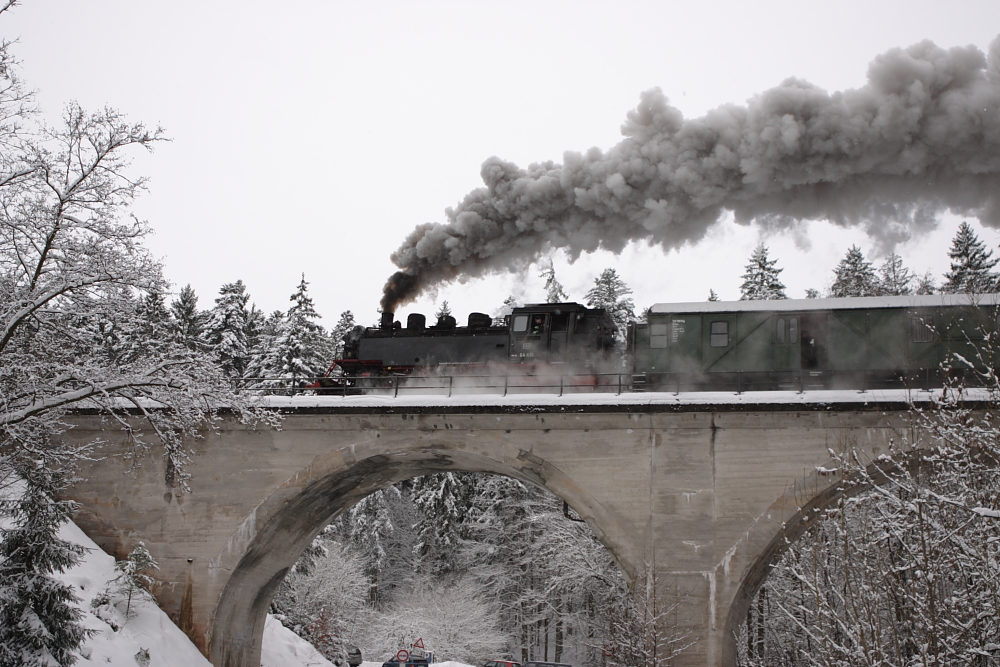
point(150, 628)
point(282, 648)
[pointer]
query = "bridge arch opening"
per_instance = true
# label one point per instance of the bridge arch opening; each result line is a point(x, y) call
point(272, 548)
point(811, 519)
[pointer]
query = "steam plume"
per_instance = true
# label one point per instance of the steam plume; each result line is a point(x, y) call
point(921, 137)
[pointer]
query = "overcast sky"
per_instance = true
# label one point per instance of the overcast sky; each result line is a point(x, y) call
point(312, 136)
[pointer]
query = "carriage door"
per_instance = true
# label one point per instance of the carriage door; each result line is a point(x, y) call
point(785, 340)
point(812, 341)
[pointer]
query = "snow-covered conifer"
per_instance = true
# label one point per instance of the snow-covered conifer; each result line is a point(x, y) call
point(812, 293)
point(554, 292)
point(610, 292)
point(712, 296)
point(39, 624)
point(343, 327)
point(301, 348)
point(894, 279)
point(760, 282)
point(971, 264)
point(226, 330)
point(854, 276)
point(132, 580)
point(188, 321)
point(926, 284)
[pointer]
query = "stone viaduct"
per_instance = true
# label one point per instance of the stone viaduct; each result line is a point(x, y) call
point(705, 494)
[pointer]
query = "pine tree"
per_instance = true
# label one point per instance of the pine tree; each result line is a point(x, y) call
point(712, 296)
point(226, 331)
point(301, 348)
point(610, 293)
point(39, 624)
point(343, 327)
point(971, 264)
point(443, 311)
point(812, 293)
point(554, 292)
point(854, 276)
point(926, 284)
point(132, 580)
point(894, 279)
point(760, 282)
point(189, 322)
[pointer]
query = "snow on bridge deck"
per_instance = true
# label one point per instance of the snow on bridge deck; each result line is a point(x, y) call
point(638, 401)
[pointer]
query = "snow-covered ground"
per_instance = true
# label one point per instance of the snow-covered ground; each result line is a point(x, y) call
point(152, 630)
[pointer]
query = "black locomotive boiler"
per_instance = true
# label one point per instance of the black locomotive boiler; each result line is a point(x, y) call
point(567, 337)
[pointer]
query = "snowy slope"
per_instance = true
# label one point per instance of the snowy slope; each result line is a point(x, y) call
point(153, 630)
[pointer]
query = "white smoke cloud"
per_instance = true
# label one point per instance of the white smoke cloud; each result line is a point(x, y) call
point(920, 138)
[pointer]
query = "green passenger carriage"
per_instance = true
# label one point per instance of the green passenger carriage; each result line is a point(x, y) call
point(860, 343)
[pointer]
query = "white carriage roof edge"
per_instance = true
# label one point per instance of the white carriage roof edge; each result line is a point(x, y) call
point(846, 303)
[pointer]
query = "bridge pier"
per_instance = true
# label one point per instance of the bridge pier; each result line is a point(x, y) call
point(700, 494)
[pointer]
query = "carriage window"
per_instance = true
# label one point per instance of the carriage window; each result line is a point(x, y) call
point(520, 323)
point(923, 331)
point(793, 330)
point(657, 336)
point(720, 334)
point(781, 330)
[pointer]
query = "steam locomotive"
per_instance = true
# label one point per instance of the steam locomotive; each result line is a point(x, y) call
point(867, 342)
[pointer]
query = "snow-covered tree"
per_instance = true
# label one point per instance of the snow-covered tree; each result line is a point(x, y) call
point(610, 292)
point(226, 330)
point(322, 603)
point(854, 276)
point(73, 273)
point(343, 327)
point(132, 580)
point(894, 279)
point(760, 282)
point(39, 624)
point(712, 296)
point(971, 264)
point(443, 498)
point(554, 292)
point(812, 293)
point(301, 348)
point(926, 284)
point(188, 321)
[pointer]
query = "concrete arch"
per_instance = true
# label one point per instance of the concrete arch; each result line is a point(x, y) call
point(793, 529)
point(293, 516)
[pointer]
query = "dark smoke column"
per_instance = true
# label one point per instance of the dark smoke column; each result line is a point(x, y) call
point(920, 138)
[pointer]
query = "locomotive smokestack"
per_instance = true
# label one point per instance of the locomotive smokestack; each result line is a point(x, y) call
point(387, 318)
point(922, 136)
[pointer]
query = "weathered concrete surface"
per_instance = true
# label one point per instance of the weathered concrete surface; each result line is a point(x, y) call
point(702, 494)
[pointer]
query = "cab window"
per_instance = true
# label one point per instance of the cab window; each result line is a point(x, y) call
point(537, 324)
point(520, 323)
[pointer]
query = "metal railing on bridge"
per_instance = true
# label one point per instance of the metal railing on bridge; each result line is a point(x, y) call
point(736, 382)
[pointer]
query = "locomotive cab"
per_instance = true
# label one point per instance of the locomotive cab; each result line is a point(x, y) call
point(560, 333)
